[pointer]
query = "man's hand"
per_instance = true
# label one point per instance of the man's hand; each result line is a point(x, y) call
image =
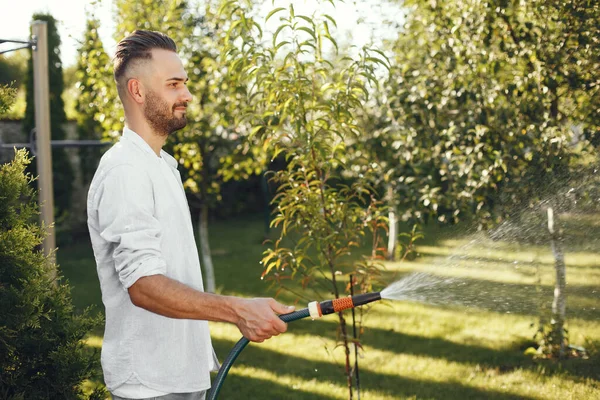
point(257, 318)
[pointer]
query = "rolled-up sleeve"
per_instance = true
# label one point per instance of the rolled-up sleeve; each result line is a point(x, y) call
point(125, 206)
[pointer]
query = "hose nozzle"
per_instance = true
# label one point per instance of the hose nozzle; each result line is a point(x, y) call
point(317, 310)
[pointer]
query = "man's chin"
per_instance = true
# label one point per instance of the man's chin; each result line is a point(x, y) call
point(181, 123)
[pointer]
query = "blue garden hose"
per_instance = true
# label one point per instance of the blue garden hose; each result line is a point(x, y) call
point(314, 310)
point(237, 349)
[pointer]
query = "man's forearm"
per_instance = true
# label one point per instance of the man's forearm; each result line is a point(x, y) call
point(256, 318)
point(170, 298)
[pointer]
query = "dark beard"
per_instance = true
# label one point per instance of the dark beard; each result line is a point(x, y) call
point(161, 118)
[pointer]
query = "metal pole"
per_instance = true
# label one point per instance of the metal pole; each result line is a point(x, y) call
point(42, 123)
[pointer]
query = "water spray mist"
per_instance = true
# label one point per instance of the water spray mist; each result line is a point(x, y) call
point(314, 310)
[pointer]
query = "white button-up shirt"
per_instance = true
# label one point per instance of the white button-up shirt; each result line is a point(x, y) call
point(140, 225)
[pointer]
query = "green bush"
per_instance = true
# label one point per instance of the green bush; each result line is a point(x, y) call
point(42, 355)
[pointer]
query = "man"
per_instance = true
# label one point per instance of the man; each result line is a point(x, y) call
point(156, 339)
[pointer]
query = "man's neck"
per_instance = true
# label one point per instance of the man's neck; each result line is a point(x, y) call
point(155, 141)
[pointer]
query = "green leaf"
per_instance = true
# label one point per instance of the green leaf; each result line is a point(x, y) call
point(260, 31)
point(273, 12)
point(332, 40)
point(256, 129)
point(307, 43)
point(278, 30)
point(382, 54)
point(280, 44)
point(307, 19)
point(311, 32)
point(377, 61)
point(225, 6)
point(329, 17)
point(231, 28)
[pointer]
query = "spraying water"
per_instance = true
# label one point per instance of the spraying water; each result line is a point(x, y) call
point(511, 269)
point(419, 286)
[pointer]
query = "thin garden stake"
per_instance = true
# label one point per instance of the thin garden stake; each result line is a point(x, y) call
point(355, 342)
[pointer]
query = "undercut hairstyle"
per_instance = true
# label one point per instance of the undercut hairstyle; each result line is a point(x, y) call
point(137, 47)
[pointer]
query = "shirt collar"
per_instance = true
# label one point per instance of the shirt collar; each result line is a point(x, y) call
point(128, 134)
point(171, 161)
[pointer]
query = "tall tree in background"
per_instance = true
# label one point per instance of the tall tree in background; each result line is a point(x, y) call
point(217, 147)
point(483, 101)
point(7, 98)
point(208, 136)
point(91, 86)
point(487, 102)
point(12, 68)
point(196, 148)
point(213, 148)
point(61, 167)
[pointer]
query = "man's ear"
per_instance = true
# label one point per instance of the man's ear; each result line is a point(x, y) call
point(135, 88)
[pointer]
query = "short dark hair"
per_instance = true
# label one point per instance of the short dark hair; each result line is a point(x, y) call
point(138, 46)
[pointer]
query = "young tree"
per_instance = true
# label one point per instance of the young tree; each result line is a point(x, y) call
point(301, 106)
point(61, 166)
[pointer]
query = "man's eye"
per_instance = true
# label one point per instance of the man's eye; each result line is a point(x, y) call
point(174, 84)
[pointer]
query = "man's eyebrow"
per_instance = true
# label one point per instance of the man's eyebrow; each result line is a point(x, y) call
point(179, 79)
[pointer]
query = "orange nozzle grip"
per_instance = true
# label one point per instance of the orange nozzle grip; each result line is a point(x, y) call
point(343, 303)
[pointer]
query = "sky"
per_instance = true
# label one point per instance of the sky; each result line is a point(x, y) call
point(15, 18)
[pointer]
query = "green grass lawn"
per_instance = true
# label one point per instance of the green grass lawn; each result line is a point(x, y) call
point(469, 345)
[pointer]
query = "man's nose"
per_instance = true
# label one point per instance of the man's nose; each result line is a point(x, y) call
point(187, 96)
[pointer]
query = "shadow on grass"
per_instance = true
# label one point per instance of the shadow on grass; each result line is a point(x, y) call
point(243, 387)
point(435, 347)
point(391, 385)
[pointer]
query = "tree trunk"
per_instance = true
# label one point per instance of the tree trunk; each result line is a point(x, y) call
point(559, 304)
point(209, 272)
point(264, 185)
point(393, 224)
point(343, 329)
